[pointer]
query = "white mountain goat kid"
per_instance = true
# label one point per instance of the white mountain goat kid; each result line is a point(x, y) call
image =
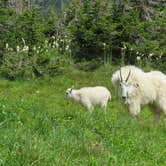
point(140, 88)
point(90, 96)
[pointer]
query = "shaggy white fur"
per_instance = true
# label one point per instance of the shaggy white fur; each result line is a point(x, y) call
point(146, 88)
point(90, 96)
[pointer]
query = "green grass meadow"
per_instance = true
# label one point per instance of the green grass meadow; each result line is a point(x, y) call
point(38, 126)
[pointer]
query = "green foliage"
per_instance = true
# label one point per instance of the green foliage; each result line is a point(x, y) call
point(4, 15)
point(28, 25)
point(91, 31)
point(101, 32)
point(29, 45)
point(117, 27)
point(139, 37)
point(16, 65)
point(20, 65)
point(49, 62)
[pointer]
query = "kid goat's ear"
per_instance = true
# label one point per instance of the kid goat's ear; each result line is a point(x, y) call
point(71, 88)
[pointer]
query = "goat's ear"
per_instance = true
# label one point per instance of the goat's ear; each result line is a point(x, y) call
point(72, 87)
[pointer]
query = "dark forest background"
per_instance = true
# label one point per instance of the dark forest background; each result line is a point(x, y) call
point(40, 37)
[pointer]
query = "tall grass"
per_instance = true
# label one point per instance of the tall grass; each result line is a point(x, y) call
point(39, 127)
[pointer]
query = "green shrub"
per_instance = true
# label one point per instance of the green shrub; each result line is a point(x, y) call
point(16, 65)
point(42, 60)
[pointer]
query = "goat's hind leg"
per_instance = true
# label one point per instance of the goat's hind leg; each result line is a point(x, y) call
point(156, 114)
point(89, 106)
point(164, 116)
point(156, 118)
point(164, 111)
point(104, 106)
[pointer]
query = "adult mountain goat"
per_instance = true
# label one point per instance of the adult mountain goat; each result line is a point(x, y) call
point(138, 88)
point(90, 96)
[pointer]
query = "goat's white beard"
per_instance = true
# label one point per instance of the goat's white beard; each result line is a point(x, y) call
point(126, 102)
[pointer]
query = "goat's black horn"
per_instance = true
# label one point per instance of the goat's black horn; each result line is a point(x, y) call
point(128, 76)
point(121, 75)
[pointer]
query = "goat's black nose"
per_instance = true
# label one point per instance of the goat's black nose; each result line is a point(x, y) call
point(123, 97)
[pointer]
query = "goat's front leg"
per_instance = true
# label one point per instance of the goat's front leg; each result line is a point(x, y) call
point(134, 109)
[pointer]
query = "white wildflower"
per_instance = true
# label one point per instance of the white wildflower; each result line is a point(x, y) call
point(34, 48)
point(25, 48)
point(67, 47)
point(17, 48)
point(53, 37)
point(151, 54)
point(10, 49)
point(56, 44)
point(46, 41)
point(7, 45)
point(138, 58)
point(137, 52)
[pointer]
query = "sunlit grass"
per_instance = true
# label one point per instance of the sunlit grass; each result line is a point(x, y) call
point(38, 126)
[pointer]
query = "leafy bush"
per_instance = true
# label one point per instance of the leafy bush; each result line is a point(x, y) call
point(43, 60)
point(16, 65)
point(50, 62)
point(29, 45)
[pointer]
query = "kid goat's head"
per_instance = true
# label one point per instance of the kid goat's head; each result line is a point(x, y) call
point(69, 92)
